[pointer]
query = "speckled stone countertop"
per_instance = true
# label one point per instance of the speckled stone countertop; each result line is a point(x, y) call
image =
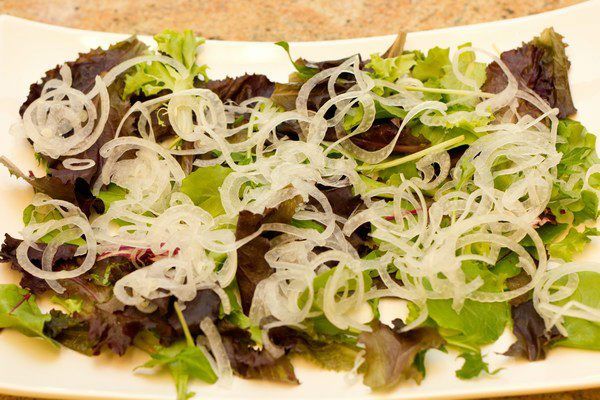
point(271, 20)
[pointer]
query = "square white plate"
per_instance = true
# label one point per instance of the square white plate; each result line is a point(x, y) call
point(30, 367)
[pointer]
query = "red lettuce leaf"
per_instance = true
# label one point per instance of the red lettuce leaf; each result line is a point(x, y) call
point(390, 355)
point(70, 331)
point(251, 363)
point(64, 258)
point(252, 266)
point(60, 182)
point(241, 88)
point(104, 324)
point(540, 65)
point(342, 200)
point(87, 66)
point(533, 340)
point(382, 132)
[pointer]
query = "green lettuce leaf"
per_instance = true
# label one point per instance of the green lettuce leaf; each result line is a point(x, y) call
point(572, 244)
point(152, 78)
point(71, 332)
point(583, 334)
point(18, 310)
point(438, 134)
point(473, 366)
point(44, 214)
point(471, 69)
point(181, 46)
point(184, 360)
point(390, 69)
point(305, 72)
point(111, 193)
point(328, 355)
point(71, 305)
point(432, 66)
point(184, 363)
point(571, 203)
point(237, 316)
point(202, 186)
point(475, 325)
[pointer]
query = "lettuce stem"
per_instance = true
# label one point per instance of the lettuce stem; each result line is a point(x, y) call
point(412, 157)
point(184, 326)
point(449, 91)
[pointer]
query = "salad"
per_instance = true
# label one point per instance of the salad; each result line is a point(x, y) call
point(360, 215)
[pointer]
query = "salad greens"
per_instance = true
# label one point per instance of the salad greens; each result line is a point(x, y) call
point(473, 366)
point(280, 214)
point(155, 77)
point(18, 310)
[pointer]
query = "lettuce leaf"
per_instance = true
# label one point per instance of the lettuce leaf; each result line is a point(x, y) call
point(241, 88)
point(184, 363)
point(473, 366)
point(18, 310)
point(475, 325)
point(252, 266)
point(533, 341)
point(390, 356)
point(71, 305)
point(152, 78)
point(572, 244)
point(540, 65)
point(471, 69)
point(70, 331)
point(572, 204)
point(111, 193)
point(432, 66)
point(583, 334)
point(326, 353)
point(555, 58)
point(305, 72)
point(202, 187)
point(390, 69)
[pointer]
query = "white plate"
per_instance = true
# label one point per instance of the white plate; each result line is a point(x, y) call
point(30, 367)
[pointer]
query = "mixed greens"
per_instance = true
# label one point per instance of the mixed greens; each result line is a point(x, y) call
point(228, 226)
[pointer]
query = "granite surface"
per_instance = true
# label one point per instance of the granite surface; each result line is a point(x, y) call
point(271, 20)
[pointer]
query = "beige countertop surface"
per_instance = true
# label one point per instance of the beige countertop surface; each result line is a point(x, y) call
point(271, 20)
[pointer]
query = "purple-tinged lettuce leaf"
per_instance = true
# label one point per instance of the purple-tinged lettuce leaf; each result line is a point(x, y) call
point(390, 356)
point(70, 331)
point(241, 88)
point(89, 65)
point(117, 330)
point(59, 183)
point(251, 363)
point(533, 341)
point(540, 65)
point(252, 266)
point(64, 257)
